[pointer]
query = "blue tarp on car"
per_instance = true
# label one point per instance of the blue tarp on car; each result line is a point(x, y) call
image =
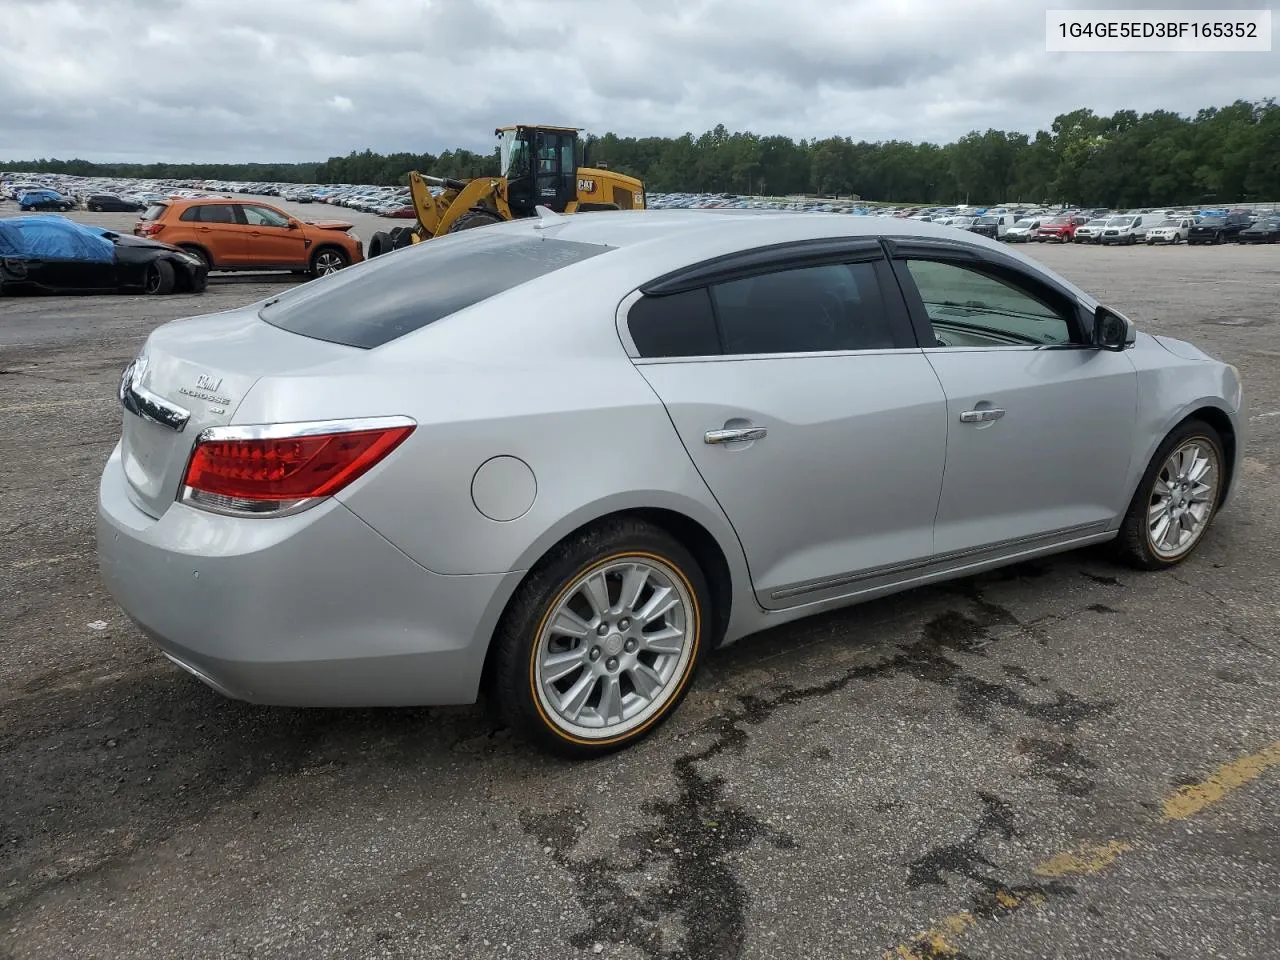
point(53, 238)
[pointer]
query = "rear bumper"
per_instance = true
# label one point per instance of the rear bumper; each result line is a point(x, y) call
point(317, 609)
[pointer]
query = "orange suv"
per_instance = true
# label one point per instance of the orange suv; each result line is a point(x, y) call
point(250, 235)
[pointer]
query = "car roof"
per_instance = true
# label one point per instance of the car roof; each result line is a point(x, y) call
point(664, 240)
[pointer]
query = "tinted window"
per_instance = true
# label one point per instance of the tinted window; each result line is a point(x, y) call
point(968, 308)
point(263, 217)
point(807, 310)
point(394, 294)
point(680, 325)
point(209, 213)
point(155, 211)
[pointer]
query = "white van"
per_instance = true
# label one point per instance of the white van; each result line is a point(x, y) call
point(993, 225)
point(1129, 228)
point(1022, 230)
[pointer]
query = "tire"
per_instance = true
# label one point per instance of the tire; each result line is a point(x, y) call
point(199, 282)
point(328, 260)
point(1217, 238)
point(1136, 545)
point(476, 218)
point(379, 244)
point(94, 208)
point(160, 278)
point(524, 640)
point(1151, 243)
point(400, 237)
point(199, 252)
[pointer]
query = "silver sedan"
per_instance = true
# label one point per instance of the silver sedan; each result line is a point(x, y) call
point(558, 460)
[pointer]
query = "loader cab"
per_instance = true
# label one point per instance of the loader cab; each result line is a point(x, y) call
point(540, 165)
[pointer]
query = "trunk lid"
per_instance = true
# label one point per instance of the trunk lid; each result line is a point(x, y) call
point(204, 366)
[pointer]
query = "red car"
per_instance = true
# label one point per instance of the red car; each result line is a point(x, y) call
point(1061, 229)
point(402, 213)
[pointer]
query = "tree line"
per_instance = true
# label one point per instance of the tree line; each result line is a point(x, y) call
point(1218, 155)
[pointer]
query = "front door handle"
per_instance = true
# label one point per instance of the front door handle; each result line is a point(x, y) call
point(981, 416)
point(734, 436)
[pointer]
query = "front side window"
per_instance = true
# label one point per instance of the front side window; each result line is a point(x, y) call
point(968, 308)
point(817, 309)
point(263, 217)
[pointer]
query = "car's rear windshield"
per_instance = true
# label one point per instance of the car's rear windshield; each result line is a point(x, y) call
point(400, 292)
point(155, 211)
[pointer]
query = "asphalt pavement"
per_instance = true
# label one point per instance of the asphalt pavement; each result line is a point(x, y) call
point(1063, 759)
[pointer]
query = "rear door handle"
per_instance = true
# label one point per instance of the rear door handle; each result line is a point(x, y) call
point(734, 436)
point(981, 416)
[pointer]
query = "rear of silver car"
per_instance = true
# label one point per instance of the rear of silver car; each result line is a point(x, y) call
point(266, 608)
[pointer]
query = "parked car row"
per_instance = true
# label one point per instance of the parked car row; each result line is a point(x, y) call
point(174, 245)
point(53, 254)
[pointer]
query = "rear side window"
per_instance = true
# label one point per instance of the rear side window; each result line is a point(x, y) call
point(155, 211)
point(400, 292)
point(679, 325)
point(818, 309)
point(209, 213)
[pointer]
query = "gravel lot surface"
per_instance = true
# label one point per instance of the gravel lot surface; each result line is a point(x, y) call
point(1063, 759)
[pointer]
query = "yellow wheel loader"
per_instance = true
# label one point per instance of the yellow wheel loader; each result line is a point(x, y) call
point(539, 167)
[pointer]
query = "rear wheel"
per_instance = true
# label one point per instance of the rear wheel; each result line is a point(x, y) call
point(601, 641)
point(1176, 499)
point(328, 260)
point(400, 237)
point(160, 278)
point(476, 218)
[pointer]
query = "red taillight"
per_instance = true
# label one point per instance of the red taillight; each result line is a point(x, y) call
point(261, 470)
point(150, 228)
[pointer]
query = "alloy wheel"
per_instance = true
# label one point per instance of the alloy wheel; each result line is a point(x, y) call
point(1183, 496)
point(328, 262)
point(614, 648)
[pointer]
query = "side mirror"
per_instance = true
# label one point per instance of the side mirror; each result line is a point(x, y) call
point(1112, 331)
point(293, 224)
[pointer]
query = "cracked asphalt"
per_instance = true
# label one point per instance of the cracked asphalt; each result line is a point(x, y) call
point(892, 778)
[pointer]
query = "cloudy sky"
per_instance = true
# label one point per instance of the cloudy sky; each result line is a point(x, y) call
point(232, 80)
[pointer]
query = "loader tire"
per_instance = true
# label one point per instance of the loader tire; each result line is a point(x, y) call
point(400, 237)
point(476, 218)
point(379, 244)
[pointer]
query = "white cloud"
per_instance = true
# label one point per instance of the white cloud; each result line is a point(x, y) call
point(246, 80)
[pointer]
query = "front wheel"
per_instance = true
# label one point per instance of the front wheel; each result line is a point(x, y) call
point(1176, 499)
point(601, 641)
point(160, 278)
point(327, 261)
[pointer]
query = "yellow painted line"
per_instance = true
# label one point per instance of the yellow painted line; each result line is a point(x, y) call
point(1190, 800)
point(1082, 862)
point(939, 942)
